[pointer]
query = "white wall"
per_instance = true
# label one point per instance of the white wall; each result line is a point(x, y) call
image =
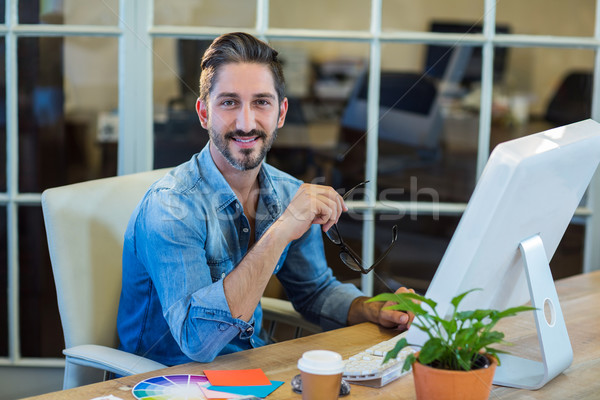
point(19, 382)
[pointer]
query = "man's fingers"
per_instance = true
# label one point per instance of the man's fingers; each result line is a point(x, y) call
point(399, 319)
point(313, 204)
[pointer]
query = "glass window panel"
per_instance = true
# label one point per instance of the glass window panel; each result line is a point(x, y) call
point(72, 12)
point(560, 18)
point(568, 258)
point(320, 77)
point(2, 115)
point(3, 284)
point(41, 332)
point(409, 15)
point(316, 14)
point(177, 132)
point(2, 7)
point(412, 262)
point(423, 240)
point(428, 129)
point(68, 100)
point(542, 88)
point(205, 13)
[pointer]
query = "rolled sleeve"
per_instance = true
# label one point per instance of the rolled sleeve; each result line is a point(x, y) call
point(209, 325)
point(192, 299)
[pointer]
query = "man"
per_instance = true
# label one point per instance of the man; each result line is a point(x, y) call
point(204, 241)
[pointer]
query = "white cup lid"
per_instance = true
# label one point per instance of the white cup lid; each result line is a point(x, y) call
point(321, 362)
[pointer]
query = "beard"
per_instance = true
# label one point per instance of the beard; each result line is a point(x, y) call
point(249, 158)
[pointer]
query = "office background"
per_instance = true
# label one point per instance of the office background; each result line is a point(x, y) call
point(98, 88)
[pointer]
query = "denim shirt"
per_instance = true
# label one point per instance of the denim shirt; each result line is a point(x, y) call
point(187, 233)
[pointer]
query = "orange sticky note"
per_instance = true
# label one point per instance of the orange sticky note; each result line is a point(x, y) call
point(237, 377)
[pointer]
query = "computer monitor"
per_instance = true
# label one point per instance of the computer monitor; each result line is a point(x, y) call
point(513, 223)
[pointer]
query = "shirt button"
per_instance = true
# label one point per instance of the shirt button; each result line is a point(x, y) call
point(249, 331)
point(245, 230)
point(237, 205)
point(223, 275)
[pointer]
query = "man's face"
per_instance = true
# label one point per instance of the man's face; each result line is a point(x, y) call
point(242, 114)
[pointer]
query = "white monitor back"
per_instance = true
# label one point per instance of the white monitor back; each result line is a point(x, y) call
point(530, 187)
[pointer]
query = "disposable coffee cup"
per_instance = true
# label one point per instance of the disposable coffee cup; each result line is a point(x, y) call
point(321, 373)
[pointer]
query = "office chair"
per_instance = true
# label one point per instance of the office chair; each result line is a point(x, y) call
point(85, 224)
point(572, 101)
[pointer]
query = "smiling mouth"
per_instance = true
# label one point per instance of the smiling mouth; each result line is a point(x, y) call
point(249, 140)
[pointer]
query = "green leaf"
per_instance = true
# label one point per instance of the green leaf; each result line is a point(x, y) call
point(403, 297)
point(464, 336)
point(383, 297)
point(493, 351)
point(487, 338)
point(464, 315)
point(400, 344)
point(432, 350)
point(509, 312)
point(464, 360)
point(404, 302)
point(415, 308)
point(456, 300)
point(481, 314)
point(408, 362)
point(449, 326)
point(423, 328)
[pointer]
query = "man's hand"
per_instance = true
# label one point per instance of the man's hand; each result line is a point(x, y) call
point(395, 319)
point(360, 311)
point(312, 204)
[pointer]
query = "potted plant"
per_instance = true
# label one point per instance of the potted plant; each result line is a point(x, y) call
point(456, 361)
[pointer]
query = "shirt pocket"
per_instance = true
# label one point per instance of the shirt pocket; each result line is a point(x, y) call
point(219, 267)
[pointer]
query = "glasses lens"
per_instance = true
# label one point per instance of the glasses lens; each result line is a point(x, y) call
point(334, 235)
point(349, 261)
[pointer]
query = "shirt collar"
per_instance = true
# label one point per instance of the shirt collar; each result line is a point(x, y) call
point(219, 187)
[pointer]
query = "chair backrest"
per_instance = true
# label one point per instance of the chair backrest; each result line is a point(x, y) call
point(85, 225)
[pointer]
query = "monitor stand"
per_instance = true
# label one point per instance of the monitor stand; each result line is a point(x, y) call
point(555, 345)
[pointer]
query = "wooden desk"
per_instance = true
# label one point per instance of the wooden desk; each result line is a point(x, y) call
point(579, 297)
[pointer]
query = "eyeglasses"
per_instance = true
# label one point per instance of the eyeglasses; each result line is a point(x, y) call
point(349, 256)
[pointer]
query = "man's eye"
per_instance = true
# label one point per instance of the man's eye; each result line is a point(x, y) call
point(228, 103)
point(262, 102)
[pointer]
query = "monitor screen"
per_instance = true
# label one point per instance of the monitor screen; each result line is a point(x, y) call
point(437, 56)
point(530, 188)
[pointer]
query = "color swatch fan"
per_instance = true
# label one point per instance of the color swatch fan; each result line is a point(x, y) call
point(171, 387)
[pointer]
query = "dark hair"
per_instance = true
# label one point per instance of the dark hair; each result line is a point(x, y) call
point(238, 47)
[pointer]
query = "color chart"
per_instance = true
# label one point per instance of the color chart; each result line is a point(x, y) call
point(171, 387)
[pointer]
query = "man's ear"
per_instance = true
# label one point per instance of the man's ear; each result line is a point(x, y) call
point(202, 112)
point(283, 107)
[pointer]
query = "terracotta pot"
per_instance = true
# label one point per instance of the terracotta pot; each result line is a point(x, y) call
point(435, 384)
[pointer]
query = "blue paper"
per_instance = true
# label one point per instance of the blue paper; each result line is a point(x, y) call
point(258, 391)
